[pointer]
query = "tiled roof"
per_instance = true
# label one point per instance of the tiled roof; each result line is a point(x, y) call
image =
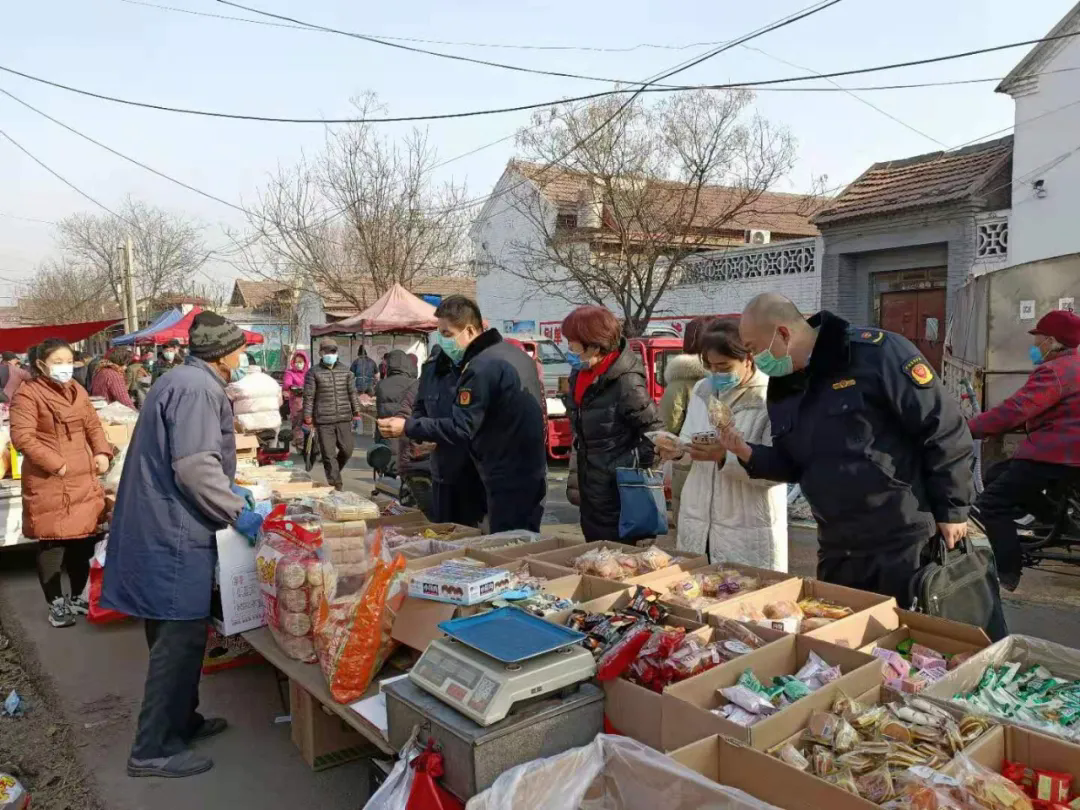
point(783, 214)
point(931, 179)
point(255, 294)
point(439, 285)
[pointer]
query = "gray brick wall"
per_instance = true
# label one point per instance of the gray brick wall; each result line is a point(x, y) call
point(909, 240)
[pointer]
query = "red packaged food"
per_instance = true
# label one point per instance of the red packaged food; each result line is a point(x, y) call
point(1051, 786)
point(1021, 775)
point(617, 659)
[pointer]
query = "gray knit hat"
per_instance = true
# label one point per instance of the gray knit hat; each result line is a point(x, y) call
point(211, 337)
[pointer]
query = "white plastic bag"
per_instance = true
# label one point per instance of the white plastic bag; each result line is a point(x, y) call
point(111, 481)
point(263, 420)
point(393, 794)
point(116, 414)
point(617, 773)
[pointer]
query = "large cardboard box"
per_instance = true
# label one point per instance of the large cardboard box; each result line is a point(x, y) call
point(1025, 747)
point(888, 626)
point(795, 589)
point(566, 556)
point(236, 604)
point(1062, 661)
point(323, 738)
point(412, 518)
point(119, 435)
point(516, 552)
point(663, 579)
point(687, 705)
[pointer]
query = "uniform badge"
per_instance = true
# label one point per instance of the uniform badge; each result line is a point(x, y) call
point(839, 385)
point(464, 397)
point(874, 336)
point(919, 370)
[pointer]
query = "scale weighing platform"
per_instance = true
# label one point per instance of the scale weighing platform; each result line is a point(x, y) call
point(494, 660)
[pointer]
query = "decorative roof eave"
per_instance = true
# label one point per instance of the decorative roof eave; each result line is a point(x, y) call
point(1020, 81)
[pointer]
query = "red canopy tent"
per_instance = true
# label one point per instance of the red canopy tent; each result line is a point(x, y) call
point(21, 338)
point(398, 310)
point(179, 331)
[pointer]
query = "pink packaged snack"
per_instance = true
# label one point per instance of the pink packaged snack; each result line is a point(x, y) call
point(896, 666)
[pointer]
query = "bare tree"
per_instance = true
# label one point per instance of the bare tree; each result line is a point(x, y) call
point(64, 291)
point(363, 215)
point(169, 249)
point(659, 183)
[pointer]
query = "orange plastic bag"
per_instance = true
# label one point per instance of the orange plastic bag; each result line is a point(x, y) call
point(352, 633)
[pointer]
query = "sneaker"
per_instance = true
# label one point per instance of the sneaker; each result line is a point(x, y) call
point(59, 613)
point(78, 606)
point(186, 763)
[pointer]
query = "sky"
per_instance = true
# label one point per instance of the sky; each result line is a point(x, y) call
point(167, 57)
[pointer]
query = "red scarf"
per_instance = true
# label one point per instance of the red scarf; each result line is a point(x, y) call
point(587, 376)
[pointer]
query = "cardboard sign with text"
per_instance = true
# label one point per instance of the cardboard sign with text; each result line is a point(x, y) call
point(687, 714)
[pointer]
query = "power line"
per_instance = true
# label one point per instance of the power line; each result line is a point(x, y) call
point(26, 219)
point(645, 87)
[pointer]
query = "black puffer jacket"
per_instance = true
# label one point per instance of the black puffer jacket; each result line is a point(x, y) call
point(391, 390)
point(330, 395)
point(609, 426)
point(435, 398)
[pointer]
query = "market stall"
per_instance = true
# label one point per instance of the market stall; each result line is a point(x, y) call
point(172, 325)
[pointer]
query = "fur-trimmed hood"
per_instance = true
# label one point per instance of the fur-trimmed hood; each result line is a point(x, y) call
point(683, 367)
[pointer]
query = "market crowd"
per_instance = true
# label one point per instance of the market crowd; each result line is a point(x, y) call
point(855, 416)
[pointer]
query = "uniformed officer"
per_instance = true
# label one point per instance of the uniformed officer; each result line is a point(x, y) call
point(861, 423)
point(498, 414)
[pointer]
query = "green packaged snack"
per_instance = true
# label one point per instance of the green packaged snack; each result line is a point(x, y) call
point(987, 679)
point(793, 688)
point(1008, 674)
point(750, 681)
point(904, 647)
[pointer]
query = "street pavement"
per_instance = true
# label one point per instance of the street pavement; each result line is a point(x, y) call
point(98, 674)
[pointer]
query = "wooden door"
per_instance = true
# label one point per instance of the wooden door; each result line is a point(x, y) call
point(918, 315)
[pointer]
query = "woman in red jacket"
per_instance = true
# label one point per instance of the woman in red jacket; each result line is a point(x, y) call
point(1047, 409)
point(109, 381)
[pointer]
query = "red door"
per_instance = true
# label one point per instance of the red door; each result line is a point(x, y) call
point(918, 315)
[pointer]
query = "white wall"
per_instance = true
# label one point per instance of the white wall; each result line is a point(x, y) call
point(1042, 228)
point(503, 296)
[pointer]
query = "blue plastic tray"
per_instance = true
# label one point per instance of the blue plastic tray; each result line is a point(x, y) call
point(510, 635)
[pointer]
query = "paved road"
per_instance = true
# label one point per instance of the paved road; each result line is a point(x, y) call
point(98, 673)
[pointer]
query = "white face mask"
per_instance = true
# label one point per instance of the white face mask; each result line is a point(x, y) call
point(169, 356)
point(61, 372)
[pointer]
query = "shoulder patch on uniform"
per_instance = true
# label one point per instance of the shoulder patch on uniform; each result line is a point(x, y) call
point(464, 397)
point(873, 336)
point(841, 384)
point(919, 370)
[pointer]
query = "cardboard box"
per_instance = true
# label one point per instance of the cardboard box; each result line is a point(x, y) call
point(414, 518)
point(794, 590)
point(1062, 661)
point(459, 583)
point(566, 556)
point(247, 446)
point(1025, 747)
point(119, 435)
point(764, 777)
point(323, 738)
point(882, 627)
point(532, 549)
point(663, 579)
point(236, 603)
point(687, 705)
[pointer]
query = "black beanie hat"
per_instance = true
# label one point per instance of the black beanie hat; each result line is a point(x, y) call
point(211, 337)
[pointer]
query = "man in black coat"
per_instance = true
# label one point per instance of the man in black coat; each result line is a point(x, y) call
point(498, 413)
point(330, 405)
point(458, 494)
point(880, 449)
point(391, 390)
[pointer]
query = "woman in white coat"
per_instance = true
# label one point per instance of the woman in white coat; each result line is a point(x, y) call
point(724, 513)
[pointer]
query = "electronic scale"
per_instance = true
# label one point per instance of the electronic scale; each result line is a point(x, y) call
point(494, 660)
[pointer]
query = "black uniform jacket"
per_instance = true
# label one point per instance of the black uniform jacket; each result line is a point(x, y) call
point(435, 399)
point(498, 413)
point(872, 437)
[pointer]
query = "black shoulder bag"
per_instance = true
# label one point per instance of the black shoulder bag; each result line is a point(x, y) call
point(961, 585)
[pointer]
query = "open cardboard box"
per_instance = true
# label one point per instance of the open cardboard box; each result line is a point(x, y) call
point(886, 626)
point(662, 580)
point(1062, 661)
point(1025, 747)
point(794, 590)
point(566, 556)
point(520, 550)
point(406, 519)
point(687, 705)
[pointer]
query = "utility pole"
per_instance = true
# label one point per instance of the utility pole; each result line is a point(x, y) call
point(129, 305)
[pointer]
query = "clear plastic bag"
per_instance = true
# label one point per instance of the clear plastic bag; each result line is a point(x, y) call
point(116, 414)
point(347, 506)
point(611, 773)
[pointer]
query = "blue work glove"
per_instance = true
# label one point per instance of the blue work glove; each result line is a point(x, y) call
point(244, 493)
point(248, 524)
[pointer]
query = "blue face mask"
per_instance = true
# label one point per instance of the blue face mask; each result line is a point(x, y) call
point(771, 365)
point(450, 347)
point(722, 381)
point(1036, 355)
point(573, 359)
point(329, 359)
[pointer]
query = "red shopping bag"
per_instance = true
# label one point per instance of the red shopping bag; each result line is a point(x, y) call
point(97, 614)
point(426, 793)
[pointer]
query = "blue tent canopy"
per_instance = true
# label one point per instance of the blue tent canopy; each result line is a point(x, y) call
point(163, 321)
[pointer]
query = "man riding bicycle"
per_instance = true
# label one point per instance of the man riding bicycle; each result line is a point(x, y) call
point(1047, 408)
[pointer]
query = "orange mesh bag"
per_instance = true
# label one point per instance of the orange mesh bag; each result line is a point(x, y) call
point(352, 633)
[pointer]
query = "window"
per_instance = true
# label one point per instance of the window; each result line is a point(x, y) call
point(565, 222)
point(549, 353)
point(660, 361)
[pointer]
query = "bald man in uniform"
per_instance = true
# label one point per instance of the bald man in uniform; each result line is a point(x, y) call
point(861, 422)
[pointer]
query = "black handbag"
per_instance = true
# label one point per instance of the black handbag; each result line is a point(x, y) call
point(961, 585)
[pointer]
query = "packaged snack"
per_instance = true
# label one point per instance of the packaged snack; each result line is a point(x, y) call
point(737, 632)
point(845, 780)
point(782, 610)
point(646, 603)
point(894, 665)
point(618, 657)
point(1051, 786)
point(793, 757)
point(652, 559)
point(824, 761)
point(748, 700)
point(822, 727)
point(823, 609)
point(875, 786)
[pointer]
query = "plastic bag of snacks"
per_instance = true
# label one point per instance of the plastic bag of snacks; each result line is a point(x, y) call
point(294, 575)
point(13, 795)
point(347, 506)
point(352, 633)
point(969, 785)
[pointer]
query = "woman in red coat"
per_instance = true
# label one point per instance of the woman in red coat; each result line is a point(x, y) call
point(109, 381)
point(64, 451)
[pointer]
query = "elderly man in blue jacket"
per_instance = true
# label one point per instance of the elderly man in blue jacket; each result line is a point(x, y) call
point(175, 493)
